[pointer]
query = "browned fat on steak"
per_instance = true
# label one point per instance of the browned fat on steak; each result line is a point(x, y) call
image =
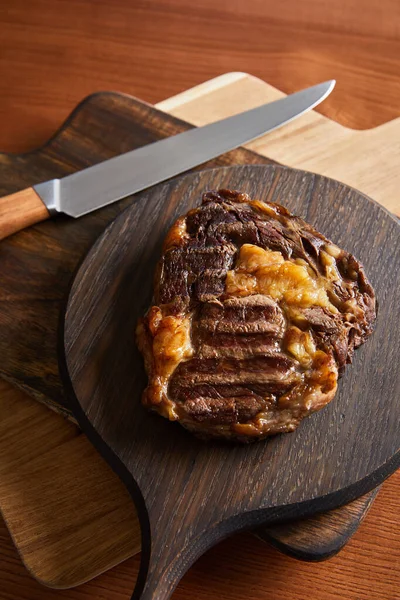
point(255, 315)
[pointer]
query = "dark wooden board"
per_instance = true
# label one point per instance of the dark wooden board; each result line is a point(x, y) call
point(37, 265)
point(321, 536)
point(190, 494)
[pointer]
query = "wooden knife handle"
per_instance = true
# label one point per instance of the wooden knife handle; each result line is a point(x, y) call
point(21, 210)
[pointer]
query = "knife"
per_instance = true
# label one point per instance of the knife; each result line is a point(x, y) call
point(131, 172)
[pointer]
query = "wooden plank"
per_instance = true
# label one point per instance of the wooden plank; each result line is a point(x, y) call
point(51, 59)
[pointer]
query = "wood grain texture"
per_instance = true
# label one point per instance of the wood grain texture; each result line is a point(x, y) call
point(53, 54)
point(56, 52)
point(193, 494)
point(244, 567)
point(50, 488)
point(322, 536)
point(367, 160)
point(65, 535)
point(319, 536)
point(20, 210)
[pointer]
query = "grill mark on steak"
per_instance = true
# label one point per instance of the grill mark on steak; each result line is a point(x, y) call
point(236, 346)
point(223, 411)
point(239, 380)
point(196, 272)
point(250, 314)
point(257, 369)
point(238, 328)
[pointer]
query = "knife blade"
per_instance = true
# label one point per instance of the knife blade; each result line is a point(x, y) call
point(131, 172)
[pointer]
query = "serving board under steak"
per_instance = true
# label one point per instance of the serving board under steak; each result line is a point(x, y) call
point(190, 494)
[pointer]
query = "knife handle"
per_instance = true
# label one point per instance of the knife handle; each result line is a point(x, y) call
point(21, 210)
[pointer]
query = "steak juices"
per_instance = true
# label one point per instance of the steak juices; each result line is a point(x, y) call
point(255, 315)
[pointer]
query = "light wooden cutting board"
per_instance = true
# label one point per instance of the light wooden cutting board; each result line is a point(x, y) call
point(367, 160)
point(51, 483)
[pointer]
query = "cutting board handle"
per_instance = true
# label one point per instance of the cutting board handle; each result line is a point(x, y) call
point(163, 564)
point(21, 210)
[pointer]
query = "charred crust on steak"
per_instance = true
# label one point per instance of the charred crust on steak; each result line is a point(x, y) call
point(255, 315)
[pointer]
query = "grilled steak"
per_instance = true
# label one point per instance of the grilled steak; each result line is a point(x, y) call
point(255, 316)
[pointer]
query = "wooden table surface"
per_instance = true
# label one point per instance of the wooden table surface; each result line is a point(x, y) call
point(54, 52)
